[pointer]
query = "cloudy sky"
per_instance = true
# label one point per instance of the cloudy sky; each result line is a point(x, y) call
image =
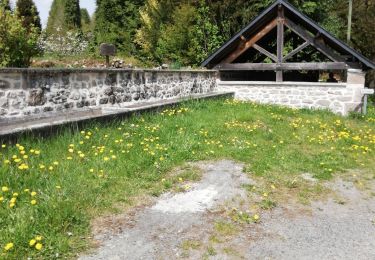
point(44, 6)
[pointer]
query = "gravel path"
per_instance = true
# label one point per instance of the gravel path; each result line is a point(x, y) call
point(324, 230)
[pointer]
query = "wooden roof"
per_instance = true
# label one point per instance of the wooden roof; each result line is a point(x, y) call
point(315, 35)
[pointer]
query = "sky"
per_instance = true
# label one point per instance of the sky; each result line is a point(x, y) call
point(45, 5)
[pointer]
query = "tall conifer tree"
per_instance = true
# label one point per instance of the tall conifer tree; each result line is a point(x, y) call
point(72, 13)
point(116, 22)
point(29, 13)
point(64, 15)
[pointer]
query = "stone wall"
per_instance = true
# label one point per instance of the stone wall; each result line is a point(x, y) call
point(26, 92)
point(341, 98)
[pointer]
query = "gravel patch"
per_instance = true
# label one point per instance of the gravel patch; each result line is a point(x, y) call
point(335, 228)
point(159, 230)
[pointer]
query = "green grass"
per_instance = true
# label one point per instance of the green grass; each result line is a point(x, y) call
point(125, 160)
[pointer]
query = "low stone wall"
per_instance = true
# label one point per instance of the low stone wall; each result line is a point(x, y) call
point(26, 92)
point(340, 98)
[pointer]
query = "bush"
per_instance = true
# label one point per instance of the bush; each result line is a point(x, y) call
point(17, 43)
point(65, 43)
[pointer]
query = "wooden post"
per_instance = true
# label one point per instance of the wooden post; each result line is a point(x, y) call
point(107, 60)
point(280, 42)
point(350, 21)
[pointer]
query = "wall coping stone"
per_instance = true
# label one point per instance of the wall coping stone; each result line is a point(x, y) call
point(95, 70)
point(57, 119)
point(285, 83)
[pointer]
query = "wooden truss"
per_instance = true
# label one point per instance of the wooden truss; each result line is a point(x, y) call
point(280, 61)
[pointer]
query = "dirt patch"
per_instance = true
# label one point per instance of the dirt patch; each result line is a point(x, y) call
point(214, 219)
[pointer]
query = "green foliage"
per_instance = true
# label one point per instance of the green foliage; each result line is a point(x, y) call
point(64, 15)
point(205, 35)
point(56, 16)
point(17, 42)
point(5, 4)
point(175, 37)
point(116, 22)
point(172, 32)
point(85, 20)
point(29, 13)
point(72, 13)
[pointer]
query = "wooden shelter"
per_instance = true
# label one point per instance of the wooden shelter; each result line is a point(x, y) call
point(282, 39)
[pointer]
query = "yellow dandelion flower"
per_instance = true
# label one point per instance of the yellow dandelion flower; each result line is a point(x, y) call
point(5, 189)
point(256, 217)
point(39, 238)
point(33, 194)
point(38, 246)
point(1, 199)
point(32, 242)
point(8, 246)
point(33, 202)
point(3, 146)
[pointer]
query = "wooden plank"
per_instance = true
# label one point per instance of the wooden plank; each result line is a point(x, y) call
point(265, 52)
point(242, 47)
point(296, 50)
point(284, 66)
point(280, 41)
point(320, 46)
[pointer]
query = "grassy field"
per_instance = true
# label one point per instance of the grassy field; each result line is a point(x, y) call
point(52, 188)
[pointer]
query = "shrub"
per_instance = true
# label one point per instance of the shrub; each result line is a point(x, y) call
point(63, 44)
point(17, 43)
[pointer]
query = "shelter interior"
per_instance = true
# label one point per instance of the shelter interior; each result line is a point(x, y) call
point(282, 44)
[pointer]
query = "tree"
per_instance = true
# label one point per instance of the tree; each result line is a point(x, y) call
point(29, 13)
point(153, 15)
point(72, 15)
point(174, 41)
point(56, 17)
point(85, 20)
point(205, 38)
point(116, 22)
point(5, 4)
point(17, 43)
point(64, 15)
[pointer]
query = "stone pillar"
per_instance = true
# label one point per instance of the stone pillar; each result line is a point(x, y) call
point(355, 84)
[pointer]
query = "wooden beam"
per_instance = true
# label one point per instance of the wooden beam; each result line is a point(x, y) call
point(318, 44)
point(284, 66)
point(242, 47)
point(265, 52)
point(296, 50)
point(280, 41)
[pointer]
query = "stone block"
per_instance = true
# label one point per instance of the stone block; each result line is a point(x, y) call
point(307, 101)
point(36, 97)
point(47, 109)
point(103, 101)
point(4, 103)
point(324, 103)
point(345, 98)
point(356, 77)
point(4, 84)
point(3, 112)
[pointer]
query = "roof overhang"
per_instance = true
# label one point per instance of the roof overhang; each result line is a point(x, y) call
point(296, 17)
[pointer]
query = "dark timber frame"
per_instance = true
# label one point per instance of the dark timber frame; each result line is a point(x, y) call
point(281, 15)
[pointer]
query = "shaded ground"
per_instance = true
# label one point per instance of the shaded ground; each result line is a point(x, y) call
point(206, 222)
